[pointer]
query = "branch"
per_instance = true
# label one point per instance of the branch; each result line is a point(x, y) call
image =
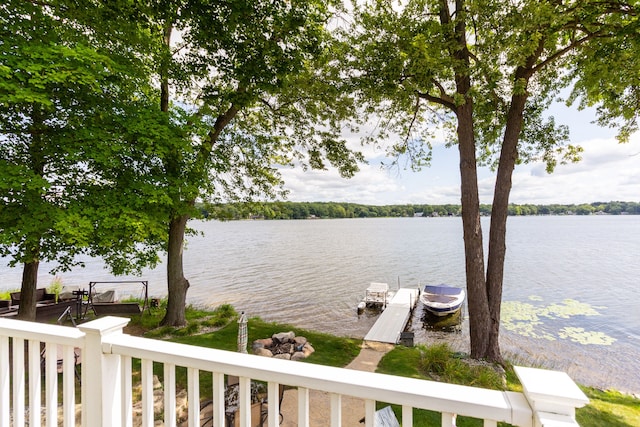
point(563, 51)
point(444, 99)
point(221, 123)
point(416, 110)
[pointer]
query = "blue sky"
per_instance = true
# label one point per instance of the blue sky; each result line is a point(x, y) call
point(608, 171)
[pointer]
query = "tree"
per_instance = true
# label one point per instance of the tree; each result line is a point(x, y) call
point(242, 78)
point(484, 71)
point(68, 103)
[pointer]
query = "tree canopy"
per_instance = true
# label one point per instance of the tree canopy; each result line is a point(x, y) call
point(484, 72)
point(73, 105)
point(243, 82)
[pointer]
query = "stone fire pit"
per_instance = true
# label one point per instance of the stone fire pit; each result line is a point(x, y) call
point(283, 345)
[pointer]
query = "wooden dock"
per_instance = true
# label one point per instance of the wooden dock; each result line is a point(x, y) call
point(394, 318)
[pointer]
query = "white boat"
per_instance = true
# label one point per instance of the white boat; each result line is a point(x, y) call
point(442, 300)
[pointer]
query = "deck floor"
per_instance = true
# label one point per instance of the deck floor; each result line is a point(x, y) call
point(394, 318)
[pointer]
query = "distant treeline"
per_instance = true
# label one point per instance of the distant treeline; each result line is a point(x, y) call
point(309, 210)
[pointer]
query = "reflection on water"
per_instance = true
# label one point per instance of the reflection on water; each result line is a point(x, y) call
point(313, 274)
point(449, 323)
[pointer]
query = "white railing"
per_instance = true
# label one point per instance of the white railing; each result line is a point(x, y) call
point(107, 396)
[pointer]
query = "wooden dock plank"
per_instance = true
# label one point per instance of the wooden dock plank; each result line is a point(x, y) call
point(394, 318)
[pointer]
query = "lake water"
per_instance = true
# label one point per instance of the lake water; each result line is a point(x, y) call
point(571, 298)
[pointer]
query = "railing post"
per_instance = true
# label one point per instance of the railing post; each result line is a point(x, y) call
point(553, 395)
point(101, 374)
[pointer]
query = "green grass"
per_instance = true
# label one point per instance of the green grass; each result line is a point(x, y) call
point(197, 320)
point(6, 294)
point(608, 408)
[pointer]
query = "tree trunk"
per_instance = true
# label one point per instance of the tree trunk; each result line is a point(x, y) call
point(477, 299)
point(27, 310)
point(499, 213)
point(177, 284)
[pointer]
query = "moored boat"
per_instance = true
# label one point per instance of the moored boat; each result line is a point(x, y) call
point(442, 300)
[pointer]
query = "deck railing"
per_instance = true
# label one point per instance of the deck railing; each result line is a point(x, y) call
point(107, 396)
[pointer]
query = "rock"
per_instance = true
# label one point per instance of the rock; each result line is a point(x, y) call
point(298, 355)
point(286, 348)
point(286, 356)
point(182, 407)
point(263, 352)
point(156, 383)
point(299, 342)
point(256, 345)
point(308, 350)
point(266, 342)
point(283, 337)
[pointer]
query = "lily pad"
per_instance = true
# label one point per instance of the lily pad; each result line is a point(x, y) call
point(581, 336)
point(529, 320)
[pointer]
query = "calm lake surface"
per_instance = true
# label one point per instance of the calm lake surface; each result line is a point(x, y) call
point(571, 298)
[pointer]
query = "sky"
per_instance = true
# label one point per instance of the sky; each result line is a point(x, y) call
point(609, 171)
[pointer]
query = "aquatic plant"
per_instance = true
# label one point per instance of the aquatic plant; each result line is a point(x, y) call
point(529, 320)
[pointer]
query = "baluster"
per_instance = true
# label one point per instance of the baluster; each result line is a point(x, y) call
point(218, 400)
point(146, 369)
point(35, 385)
point(273, 398)
point(448, 420)
point(127, 392)
point(51, 384)
point(18, 382)
point(336, 409)
point(244, 404)
point(193, 400)
point(407, 416)
point(369, 412)
point(68, 386)
point(303, 407)
point(169, 395)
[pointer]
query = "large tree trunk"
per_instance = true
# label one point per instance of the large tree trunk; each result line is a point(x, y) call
point(176, 282)
point(499, 212)
point(27, 310)
point(482, 346)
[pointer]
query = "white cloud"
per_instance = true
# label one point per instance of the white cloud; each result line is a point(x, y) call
point(608, 171)
point(368, 186)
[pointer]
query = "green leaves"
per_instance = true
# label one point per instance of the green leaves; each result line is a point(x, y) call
point(396, 54)
point(73, 108)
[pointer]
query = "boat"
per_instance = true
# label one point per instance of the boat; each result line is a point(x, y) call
point(442, 300)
